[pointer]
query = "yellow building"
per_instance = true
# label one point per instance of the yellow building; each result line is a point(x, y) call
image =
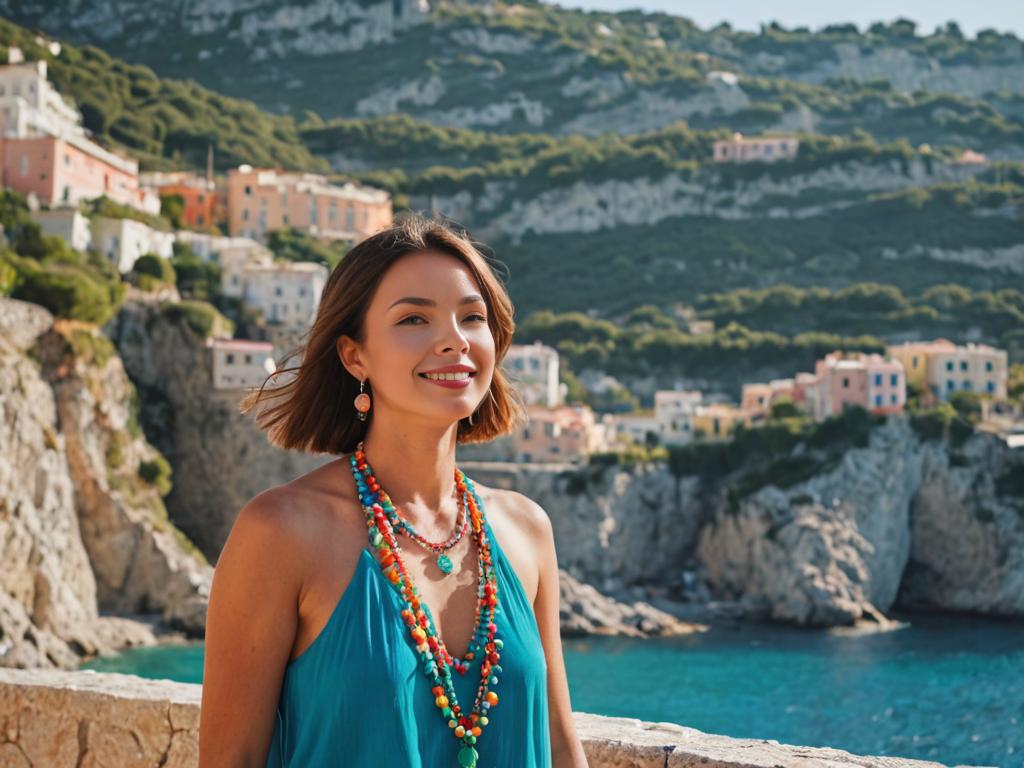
point(945, 367)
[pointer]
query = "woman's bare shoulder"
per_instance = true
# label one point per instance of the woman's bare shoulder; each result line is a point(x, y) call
point(517, 509)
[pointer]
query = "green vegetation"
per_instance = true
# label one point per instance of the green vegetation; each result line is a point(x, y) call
point(200, 317)
point(157, 473)
point(195, 278)
point(296, 245)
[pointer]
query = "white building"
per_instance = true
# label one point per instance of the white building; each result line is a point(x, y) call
point(533, 369)
point(741, 149)
point(69, 224)
point(240, 363)
point(287, 292)
point(673, 411)
point(123, 241)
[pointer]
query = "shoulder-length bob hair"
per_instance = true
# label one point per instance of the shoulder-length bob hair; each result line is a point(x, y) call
point(313, 411)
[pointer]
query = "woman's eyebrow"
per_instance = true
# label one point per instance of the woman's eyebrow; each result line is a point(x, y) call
point(423, 302)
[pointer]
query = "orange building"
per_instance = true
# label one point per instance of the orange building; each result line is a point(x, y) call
point(262, 200)
point(204, 204)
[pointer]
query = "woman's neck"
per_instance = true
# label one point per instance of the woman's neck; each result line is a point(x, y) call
point(416, 468)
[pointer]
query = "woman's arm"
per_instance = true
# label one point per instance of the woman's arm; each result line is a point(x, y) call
point(566, 748)
point(250, 630)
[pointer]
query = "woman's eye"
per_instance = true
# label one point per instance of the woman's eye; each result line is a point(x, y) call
point(479, 317)
point(410, 317)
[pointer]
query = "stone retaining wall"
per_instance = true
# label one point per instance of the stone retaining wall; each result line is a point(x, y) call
point(89, 719)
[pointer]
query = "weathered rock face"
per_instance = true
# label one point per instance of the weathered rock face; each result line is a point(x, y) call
point(70, 546)
point(504, 208)
point(826, 551)
point(967, 531)
point(222, 457)
point(890, 525)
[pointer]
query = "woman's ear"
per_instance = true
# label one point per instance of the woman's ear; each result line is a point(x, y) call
point(349, 354)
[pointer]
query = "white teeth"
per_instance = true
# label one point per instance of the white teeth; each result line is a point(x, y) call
point(448, 376)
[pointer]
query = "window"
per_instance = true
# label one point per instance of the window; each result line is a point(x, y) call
point(526, 433)
point(846, 382)
point(248, 359)
point(967, 384)
point(245, 214)
point(990, 386)
point(878, 379)
point(285, 219)
point(913, 362)
point(302, 291)
point(963, 365)
point(894, 378)
point(949, 365)
point(229, 358)
point(950, 385)
point(277, 291)
point(894, 399)
point(988, 365)
point(248, 191)
point(878, 399)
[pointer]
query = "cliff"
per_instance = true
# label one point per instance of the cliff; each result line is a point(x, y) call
point(88, 550)
point(900, 522)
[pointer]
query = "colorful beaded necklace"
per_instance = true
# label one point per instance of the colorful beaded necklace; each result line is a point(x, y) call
point(382, 519)
point(444, 563)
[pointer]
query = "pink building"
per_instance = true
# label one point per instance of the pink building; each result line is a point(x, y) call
point(262, 200)
point(44, 150)
point(740, 149)
point(871, 381)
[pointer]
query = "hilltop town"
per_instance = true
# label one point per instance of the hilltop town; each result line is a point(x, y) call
point(145, 223)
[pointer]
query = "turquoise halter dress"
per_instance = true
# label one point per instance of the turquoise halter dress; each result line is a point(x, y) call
point(358, 697)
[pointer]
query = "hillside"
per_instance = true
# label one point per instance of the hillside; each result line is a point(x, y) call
point(539, 68)
point(608, 223)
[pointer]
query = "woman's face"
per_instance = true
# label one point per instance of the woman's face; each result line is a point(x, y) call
point(428, 313)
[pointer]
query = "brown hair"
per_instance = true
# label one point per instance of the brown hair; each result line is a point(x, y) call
point(313, 410)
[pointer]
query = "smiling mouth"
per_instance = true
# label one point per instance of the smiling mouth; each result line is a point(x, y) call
point(456, 376)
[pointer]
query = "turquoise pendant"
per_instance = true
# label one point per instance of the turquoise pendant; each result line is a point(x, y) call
point(468, 757)
point(444, 563)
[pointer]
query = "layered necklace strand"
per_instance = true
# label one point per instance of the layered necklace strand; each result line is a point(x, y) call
point(382, 519)
point(444, 562)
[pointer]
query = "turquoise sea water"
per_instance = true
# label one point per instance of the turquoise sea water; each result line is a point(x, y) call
point(945, 689)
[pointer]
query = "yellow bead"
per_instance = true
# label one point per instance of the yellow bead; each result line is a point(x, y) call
point(460, 731)
point(484, 720)
point(441, 701)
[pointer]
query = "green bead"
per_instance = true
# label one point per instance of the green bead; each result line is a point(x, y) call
point(471, 739)
point(499, 643)
point(467, 757)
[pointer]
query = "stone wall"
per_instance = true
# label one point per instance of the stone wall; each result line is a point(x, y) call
point(87, 719)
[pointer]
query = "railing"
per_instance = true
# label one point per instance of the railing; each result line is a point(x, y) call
point(52, 718)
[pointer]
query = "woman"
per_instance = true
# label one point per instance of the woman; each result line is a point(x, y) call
point(383, 610)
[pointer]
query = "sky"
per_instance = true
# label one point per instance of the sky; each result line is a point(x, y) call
point(1003, 15)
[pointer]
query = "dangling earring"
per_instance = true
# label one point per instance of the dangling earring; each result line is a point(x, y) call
point(362, 402)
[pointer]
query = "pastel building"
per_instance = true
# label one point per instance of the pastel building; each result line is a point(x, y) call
point(203, 204)
point(69, 224)
point(565, 433)
point(287, 293)
point(871, 381)
point(44, 150)
point(673, 412)
point(263, 200)
point(533, 369)
point(716, 421)
point(240, 363)
point(123, 241)
point(758, 397)
point(944, 367)
point(741, 149)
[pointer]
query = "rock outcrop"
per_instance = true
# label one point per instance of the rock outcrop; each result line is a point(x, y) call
point(80, 532)
point(898, 523)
